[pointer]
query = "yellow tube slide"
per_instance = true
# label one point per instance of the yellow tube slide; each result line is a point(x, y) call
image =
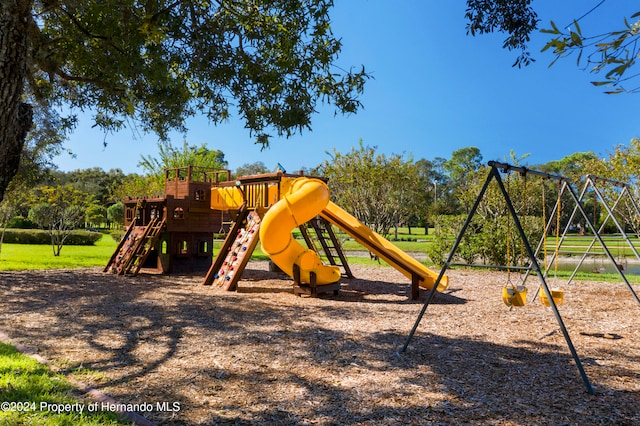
point(305, 199)
point(386, 250)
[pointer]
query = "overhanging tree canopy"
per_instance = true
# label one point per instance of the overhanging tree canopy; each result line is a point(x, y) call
point(159, 62)
point(612, 53)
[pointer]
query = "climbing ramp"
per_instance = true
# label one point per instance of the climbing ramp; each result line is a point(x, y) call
point(226, 270)
point(134, 248)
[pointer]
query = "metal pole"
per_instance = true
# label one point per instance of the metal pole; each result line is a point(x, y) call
point(590, 181)
point(602, 243)
point(432, 292)
point(615, 220)
point(552, 303)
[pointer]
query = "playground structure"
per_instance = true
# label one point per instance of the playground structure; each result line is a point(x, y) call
point(170, 233)
point(516, 295)
point(271, 206)
point(620, 196)
point(174, 233)
point(592, 183)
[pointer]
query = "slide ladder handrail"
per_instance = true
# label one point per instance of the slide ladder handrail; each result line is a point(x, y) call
point(327, 242)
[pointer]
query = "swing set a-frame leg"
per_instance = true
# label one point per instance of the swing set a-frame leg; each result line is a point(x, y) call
point(495, 174)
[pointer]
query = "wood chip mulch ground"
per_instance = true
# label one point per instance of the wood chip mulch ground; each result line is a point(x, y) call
point(264, 356)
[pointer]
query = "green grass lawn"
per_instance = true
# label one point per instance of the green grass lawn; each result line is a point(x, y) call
point(16, 257)
point(30, 394)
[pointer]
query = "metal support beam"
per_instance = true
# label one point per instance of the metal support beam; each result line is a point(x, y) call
point(495, 174)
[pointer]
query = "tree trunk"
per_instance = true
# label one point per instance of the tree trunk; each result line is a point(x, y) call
point(15, 116)
point(4, 229)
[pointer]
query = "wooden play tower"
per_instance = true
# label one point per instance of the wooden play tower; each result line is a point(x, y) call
point(171, 233)
point(258, 194)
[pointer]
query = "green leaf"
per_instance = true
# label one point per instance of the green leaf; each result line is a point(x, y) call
point(576, 39)
point(554, 61)
point(618, 42)
point(619, 70)
point(575, 24)
point(546, 31)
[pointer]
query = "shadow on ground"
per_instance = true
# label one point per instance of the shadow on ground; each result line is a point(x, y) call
point(236, 358)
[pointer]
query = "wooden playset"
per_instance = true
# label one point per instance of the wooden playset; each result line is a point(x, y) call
point(174, 233)
point(247, 200)
point(171, 233)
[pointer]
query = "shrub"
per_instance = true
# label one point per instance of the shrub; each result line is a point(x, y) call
point(21, 222)
point(37, 236)
point(117, 234)
point(485, 240)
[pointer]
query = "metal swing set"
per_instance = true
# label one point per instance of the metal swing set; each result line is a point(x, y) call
point(619, 191)
point(580, 201)
point(548, 293)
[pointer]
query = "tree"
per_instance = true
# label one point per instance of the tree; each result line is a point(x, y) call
point(375, 188)
point(15, 115)
point(7, 211)
point(170, 157)
point(516, 18)
point(613, 53)
point(251, 169)
point(115, 213)
point(425, 199)
point(160, 62)
point(42, 143)
point(573, 166)
point(135, 185)
point(491, 237)
point(461, 169)
point(621, 165)
point(96, 215)
point(59, 210)
point(94, 181)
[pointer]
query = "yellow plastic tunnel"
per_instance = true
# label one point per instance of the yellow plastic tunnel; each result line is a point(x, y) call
point(305, 198)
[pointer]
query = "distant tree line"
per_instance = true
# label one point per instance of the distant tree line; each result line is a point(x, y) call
point(382, 191)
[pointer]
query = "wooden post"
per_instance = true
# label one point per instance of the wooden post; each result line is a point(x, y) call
point(415, 287)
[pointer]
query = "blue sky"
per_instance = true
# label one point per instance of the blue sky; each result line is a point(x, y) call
point(435, 90)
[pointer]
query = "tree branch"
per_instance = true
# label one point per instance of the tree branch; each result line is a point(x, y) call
point(88, 33)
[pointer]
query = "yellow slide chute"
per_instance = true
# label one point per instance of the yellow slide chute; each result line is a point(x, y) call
point(304, 198)
point(383, 248)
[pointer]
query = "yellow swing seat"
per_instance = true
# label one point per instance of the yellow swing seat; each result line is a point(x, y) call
point(514, 295)
point(556, 294)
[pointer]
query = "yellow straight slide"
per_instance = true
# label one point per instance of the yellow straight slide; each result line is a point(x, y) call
point(382, 247)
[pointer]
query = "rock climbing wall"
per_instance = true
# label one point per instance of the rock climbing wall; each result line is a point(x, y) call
point(238, 254)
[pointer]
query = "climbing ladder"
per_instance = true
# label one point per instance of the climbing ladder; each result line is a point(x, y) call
point(325, 241)
point(134, 248)
point(236, 250)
